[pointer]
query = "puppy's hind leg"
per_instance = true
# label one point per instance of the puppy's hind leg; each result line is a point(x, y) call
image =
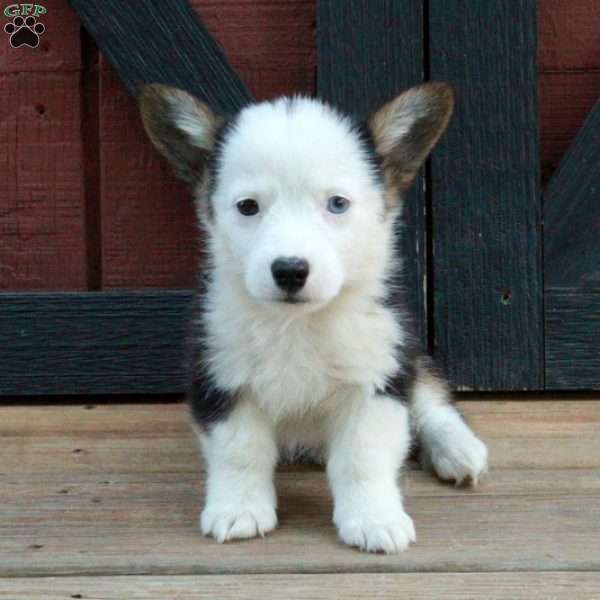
point(447, 445)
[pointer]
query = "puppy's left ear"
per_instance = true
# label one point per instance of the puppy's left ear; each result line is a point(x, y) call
point(406, 129)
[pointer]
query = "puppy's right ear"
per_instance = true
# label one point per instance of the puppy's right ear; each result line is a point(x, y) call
point(181, 127)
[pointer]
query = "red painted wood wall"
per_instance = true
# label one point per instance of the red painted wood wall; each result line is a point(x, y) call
point(85, 202)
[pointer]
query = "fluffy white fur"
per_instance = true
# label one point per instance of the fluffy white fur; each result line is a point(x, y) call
point(308, 374)
point(292, 155)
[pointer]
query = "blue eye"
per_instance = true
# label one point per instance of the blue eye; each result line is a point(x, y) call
point(338, 204)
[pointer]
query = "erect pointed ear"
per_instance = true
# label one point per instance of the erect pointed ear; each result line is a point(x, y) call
point(407, 128)
point(181, 127)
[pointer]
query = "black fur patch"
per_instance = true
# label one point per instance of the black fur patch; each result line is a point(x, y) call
point(208, 403)
point(401, 386)
point(290, 105)
point(214, 165)
point(368, 143)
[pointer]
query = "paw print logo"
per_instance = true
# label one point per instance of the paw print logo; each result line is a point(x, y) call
point(24, 32)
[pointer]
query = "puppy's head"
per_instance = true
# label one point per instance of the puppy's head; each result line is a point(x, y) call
point(298, 199)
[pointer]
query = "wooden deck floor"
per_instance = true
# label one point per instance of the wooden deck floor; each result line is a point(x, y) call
point(102, 502)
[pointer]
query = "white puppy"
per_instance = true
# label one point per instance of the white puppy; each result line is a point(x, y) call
point(297, 344)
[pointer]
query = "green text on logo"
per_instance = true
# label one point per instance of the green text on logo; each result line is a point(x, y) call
point(22, 10)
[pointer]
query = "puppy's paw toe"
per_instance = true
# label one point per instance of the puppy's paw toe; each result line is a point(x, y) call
point(241, 522)
point(458, 456)
point(387, 533)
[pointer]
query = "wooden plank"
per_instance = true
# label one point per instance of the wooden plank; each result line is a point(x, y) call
point(572, 334)
point(58, 522)
point(101, 343)
point(149, 233)
point(42, 228)
point(70, 442)
point(186, 477)
point(42, 237)
point(572, 264)
point(486, 205)
point(63, 530)
point(568, 34)
point(274, 56)
point(385, 57)
point(418, 586)
point(149, 237)
point(90, 126)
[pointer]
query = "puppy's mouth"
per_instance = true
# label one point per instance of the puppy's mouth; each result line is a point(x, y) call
point(291, 299)
point(292, 304)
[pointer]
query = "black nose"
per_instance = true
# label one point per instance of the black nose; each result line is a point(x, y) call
point(290, 273)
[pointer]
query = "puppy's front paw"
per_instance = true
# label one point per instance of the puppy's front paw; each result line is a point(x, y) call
point(456, 454)
point(241, 521)
point(388, 531)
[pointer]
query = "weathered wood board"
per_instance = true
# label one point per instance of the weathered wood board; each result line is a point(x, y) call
point(95, 343)
point(42, 199)
point(417, 586)
point(487, 279)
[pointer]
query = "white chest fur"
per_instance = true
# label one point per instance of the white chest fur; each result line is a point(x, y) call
point(292, 364)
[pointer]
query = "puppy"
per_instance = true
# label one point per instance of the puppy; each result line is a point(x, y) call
point(296, 344)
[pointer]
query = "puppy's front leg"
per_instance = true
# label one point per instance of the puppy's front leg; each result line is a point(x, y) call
point(240, 455)
point(369, 442)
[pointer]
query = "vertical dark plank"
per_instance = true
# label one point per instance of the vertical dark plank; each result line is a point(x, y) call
point(486, 196)
point(367, 53)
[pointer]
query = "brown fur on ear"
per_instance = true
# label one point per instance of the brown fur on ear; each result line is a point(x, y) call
point(181, 127)
point(406, 129)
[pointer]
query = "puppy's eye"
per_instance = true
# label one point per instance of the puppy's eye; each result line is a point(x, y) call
point(248, 207)
point(338, 204)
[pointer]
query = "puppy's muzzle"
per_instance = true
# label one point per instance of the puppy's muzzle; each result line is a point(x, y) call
point(290, 273)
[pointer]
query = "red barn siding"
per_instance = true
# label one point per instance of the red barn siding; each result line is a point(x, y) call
point(148, 229)
point(140, 228)
point(569, 73)
point(275, 55)
point(42, 234)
